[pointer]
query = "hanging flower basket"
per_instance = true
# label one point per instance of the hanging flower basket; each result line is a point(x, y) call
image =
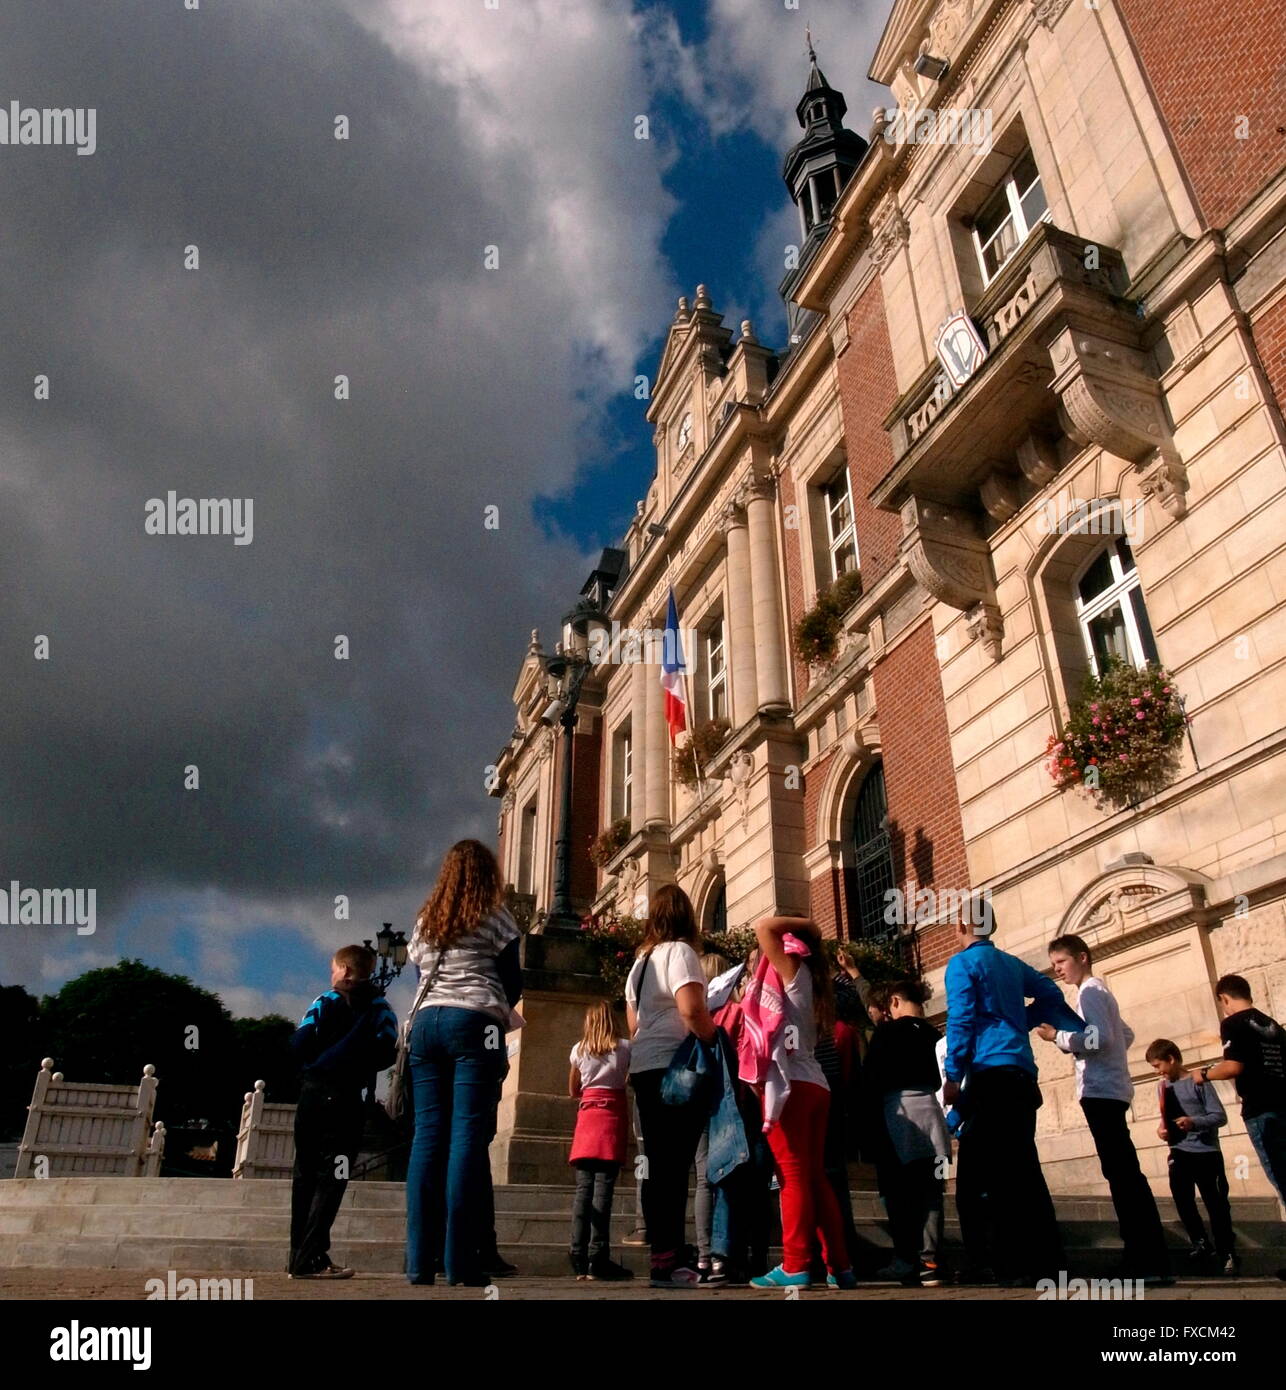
point(614, 939)
point(702, 744)
point(605, 847)
point(817, 633)
point(1123, 738)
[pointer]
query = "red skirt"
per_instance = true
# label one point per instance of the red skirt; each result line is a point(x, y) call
point(602, 1125)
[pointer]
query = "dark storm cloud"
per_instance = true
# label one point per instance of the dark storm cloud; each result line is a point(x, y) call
point(317, 257)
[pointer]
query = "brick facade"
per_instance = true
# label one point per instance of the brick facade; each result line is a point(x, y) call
point(1209, 69)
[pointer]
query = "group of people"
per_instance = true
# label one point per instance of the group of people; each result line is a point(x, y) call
point(769, 1075)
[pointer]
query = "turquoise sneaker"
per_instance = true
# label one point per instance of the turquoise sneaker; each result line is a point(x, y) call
point(845, 1279)
point(779, 1279)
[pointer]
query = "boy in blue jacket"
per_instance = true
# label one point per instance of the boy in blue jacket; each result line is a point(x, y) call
point(347, 1037)
point(999, 1182)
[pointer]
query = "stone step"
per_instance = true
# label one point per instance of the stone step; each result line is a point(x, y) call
point(260, 1193)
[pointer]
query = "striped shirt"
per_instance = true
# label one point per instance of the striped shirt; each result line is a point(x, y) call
point(468, 977)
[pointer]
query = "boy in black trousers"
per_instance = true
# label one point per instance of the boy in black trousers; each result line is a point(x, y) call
point(1191, 1117)
point(347, 1037)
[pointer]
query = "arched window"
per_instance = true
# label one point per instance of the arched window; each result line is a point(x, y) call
point(719, 911)
point(1111, 611)
point(872, 859)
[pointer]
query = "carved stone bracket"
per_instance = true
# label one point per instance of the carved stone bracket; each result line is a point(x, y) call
point(1038, 460)
point(945, 553)
point(999, 493)
point(1113, 402)
point(986, 626)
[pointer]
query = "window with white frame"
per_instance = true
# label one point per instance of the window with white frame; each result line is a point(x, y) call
point(527, 847)
point(1110, 608)
point(623, 774)
point(716, 671)
point(841, 538)
point(1006, 219)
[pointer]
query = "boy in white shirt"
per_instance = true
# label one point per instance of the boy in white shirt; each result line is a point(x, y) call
point(1106, 1091)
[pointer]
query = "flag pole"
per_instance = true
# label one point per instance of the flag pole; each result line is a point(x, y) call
point(688, 702)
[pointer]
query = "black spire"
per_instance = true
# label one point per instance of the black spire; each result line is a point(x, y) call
point(818, 167)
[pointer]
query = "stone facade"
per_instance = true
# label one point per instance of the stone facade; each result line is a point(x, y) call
point(1130, 317)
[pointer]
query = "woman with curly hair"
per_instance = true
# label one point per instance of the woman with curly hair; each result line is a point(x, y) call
point(466, 947)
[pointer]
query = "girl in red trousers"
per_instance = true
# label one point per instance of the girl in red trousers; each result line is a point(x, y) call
point(600, 1065)
point(809, 1208)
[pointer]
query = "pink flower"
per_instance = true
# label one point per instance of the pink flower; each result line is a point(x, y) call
point(1122, 757)
point(1096, 719)
point(1140, 715)
point(1134, 699)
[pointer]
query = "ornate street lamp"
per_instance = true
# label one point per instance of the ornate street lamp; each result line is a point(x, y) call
point(566, 671)
point(390, 947)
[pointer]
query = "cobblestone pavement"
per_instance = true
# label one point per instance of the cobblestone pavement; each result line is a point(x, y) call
point(91, 1284)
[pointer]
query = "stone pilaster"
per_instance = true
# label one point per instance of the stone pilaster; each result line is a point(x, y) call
point(741, 616)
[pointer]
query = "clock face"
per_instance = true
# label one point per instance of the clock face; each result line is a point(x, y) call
point(685, 432)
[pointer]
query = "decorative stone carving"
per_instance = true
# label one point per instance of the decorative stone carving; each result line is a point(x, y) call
point(757, 487)
point(1048, 12)
point(889, 231)
point(627, 878)
point(986, 626)
point(1167, 481)
point(740, 767)
point(947, 25)
point(506, 806)
point(999, 493)
point(545, 745)
point(945, 553)
point(732, 514)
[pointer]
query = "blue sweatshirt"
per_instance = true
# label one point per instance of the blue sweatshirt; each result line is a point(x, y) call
point(988, 1018)
point(1201, 1105)
point(345, 1042)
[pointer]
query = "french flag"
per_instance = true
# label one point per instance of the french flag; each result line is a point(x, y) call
point(672, 669)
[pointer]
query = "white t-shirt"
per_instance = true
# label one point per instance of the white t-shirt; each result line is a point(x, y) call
point(1102, 1066)
point(801, 1064)
point(611, 1069)
point(661, 1028)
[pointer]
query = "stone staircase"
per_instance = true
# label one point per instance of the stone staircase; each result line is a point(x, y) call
point(213, 1225)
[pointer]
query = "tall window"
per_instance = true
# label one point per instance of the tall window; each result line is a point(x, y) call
point(1006, 219)
point(527, 847)
point(716, 671)
point(1110, 608)
point(719, 911)
point(623, 774)
point(873, 859)
point(841, 538)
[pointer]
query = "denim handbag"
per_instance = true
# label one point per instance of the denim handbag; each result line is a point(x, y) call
point(690, 1077)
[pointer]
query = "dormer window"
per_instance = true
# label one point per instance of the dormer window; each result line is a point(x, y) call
point(1006, 219)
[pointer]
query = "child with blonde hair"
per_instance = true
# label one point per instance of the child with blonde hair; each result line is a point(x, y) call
point(600, 1065)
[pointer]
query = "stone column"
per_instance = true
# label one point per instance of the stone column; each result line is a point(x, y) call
point(770, 653)
point(639, 742)
point(657, 746)
point(740, 628)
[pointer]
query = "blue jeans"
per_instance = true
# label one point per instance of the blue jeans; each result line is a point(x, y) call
point(458, 1060)
point(1268, 1135)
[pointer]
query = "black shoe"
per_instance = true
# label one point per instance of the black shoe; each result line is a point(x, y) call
point(607, 1270)
point(638, 1236)
point(497, 1266)
point(1230, 1266)
point(1200, 1255)
point(580, 1265)
point(727, 1273)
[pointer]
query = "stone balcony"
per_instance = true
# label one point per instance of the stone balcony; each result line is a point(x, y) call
point(1065, 362)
